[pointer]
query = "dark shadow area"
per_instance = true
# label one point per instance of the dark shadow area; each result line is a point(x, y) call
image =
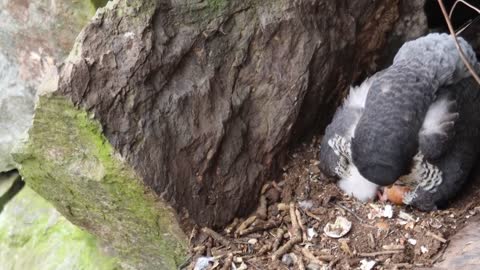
point(470, 192)
point(14, 188)
point(461, 17)
point(99, 3)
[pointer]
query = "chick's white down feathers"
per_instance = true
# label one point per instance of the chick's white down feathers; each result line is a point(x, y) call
point(354, 183)
point(357, 186)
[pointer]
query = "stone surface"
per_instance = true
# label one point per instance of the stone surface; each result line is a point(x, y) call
point(16, 110)
point(202, 97)
point(34, 37)
point(412, 23)
point(33, 235)
point(77, 170)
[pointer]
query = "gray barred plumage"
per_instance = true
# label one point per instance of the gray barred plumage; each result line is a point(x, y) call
point(436, 181)
point(403, 121)
point(386, 136)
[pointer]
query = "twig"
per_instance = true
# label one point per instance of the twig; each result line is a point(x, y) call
point(452, 32)
point(260, 227)
point(312, 215)
point(261, 212)
point(401, 265)
point(466, 25)
point(217, 237)
point(293, 216)
point(296, 237)
point(245, 224)
point(300, 224)
point(228, 262)
point(439, 254)
point(371, 240)
point(266, 248)
point(288, 246)
point(349, 211)
point(437, 237)
point(278, 239)
point(193, 234)
point(470, 22)
point(332, 264)
point(378, 253)
point(229, 229)
point(301, 266)
point(316, 259)
point(199, 250)
point(282, 207)
point(265, 188)
point(465, 3)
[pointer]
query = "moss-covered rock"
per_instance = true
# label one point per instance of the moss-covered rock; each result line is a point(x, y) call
point(33, 235)
point(68, 161)
point(35, 36)
point(99, 3)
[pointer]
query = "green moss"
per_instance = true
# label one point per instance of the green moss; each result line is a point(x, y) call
point(69, 162)
point(217, 5)
point(33, 235)
point(99, 3)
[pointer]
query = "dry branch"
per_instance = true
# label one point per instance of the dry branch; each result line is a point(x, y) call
point(245, 224)
point(296, 235)
point(378, 253)
point(216, 236)
point(228, 262)
point(278, 239)
point(437, 237)
point(264, 226)
point(320, 260)
point(452, 32)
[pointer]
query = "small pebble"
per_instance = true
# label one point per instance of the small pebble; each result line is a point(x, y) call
point(287, 259)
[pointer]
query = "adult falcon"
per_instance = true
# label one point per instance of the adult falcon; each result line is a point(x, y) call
point(384, 123)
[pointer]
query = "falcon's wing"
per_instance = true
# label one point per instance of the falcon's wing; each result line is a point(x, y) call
point(440, 180)
point(342, 127)
point(438, 129)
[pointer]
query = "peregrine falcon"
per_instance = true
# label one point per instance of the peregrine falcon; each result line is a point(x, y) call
point(396, 117)
point(435, 181)
point(386, 135)
point(335, 153)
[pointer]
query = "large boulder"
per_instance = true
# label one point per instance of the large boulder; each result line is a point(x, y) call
point(77, 170)
point(33, 235)
point(201, 98)
point(190, 104)
point(35, 36)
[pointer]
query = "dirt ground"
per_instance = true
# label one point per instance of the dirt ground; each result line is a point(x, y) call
point(377, 239)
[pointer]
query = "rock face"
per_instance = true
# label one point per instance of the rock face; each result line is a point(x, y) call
point(203, 97)
point(76, 169)
point(34, 36)
point(33, 235)
point(16, 111)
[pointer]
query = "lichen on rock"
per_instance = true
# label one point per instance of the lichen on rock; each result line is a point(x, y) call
point(69, 162)
point(35, 36)
point(33, 235)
